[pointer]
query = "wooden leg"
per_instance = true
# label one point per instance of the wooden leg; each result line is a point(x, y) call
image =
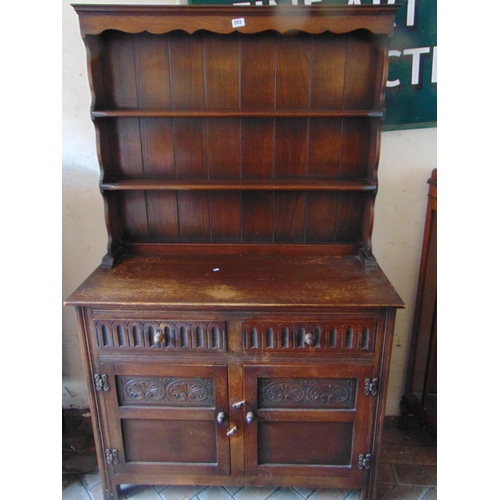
point(110, 491)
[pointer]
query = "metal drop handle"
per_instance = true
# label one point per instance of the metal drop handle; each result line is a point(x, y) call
point(232, 431)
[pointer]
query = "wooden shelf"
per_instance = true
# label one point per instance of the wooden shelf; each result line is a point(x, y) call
point(144, 113)
point(240, 185)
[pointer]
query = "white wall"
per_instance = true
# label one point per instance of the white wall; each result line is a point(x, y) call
point(407, 159)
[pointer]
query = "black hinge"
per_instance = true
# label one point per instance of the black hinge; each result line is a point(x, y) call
point(101, 382)
point(371, 386)
point(365, 461)
point(112, 456)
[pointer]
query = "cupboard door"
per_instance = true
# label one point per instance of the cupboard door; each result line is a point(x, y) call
point(305, 420)
point(167, 419)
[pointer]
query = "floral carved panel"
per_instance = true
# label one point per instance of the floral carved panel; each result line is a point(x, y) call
point(190, 392)
point(310, 393)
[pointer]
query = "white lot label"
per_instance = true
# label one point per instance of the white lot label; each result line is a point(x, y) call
point(238, 23)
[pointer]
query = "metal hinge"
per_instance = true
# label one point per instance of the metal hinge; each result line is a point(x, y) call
point(365, 461)
point(112, 456)
point(101, 382)
point(371, 386)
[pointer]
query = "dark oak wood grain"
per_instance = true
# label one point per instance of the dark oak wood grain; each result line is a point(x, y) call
point(248, 280)
point(239, 328)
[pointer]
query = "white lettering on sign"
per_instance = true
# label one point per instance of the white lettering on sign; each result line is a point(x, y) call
point(416, 62)
point(434, 77)
point(410, 13)
point(394, 83)
point(238, 23)
point(410, 9)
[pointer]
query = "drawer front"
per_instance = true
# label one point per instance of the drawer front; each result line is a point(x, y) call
point(171, 335)
point(342, 336)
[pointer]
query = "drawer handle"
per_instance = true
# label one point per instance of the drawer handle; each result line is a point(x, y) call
point(232, 432)
point(221, 417)
point(158, 338)
point(309, 339)
point(250, 417)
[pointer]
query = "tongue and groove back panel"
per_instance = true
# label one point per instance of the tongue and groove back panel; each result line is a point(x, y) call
point(238, 138)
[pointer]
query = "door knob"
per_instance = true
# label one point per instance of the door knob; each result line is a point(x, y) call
point(250, 417)
point(221, 416)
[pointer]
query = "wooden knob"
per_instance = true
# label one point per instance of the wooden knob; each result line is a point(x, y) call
point(158, 338)
point(250, 417)
point(309, 339)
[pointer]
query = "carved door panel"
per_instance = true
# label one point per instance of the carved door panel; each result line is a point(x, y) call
point(167, 419)
point(308, 420)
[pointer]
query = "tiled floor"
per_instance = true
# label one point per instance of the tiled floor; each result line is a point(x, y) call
point(408, 471)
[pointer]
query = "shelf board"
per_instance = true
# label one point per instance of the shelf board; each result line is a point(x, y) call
point(143, 113)
point(240, 185)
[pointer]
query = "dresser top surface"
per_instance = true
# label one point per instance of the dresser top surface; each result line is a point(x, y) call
point(237, 281)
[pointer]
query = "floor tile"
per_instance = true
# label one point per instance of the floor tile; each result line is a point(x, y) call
point(69, 479)
point(90, 480)
point(253, 493)
point(233, 489)
point(79, 463)
point(414, 435)
point(96, 493)
point(386, 476)
point(396, 454)
point(431, 495)
point(141, 493)
point(330, 494)
point(214, 493)
point(383, 490)
point(305, 492)
point(354, 495)
point(416, 475)
point(75, 491)
point(424, 455)
point(286, 494)
point(180, 492)
point(406, 493)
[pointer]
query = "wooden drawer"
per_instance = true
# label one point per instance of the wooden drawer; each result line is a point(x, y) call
point(350, 335)
point(160, 334)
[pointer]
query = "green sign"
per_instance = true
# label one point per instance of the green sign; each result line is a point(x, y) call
point(411, 97)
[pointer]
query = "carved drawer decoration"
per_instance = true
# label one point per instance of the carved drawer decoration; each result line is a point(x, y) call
point(159, 391)
point(307, 394)
point(167, 335)
point(339, 336)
